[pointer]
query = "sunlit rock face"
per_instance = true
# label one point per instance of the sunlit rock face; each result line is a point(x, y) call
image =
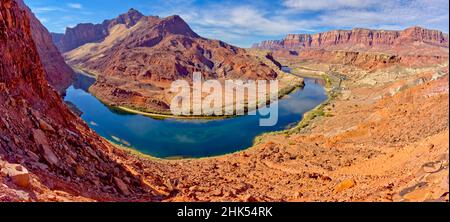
point(38, 131)
point(58, 74)
point(360, 39)
point(136, 58)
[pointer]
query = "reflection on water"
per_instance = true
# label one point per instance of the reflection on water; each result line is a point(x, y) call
point(321, 82)
point(187, 138)
point(318, 81)
point(83, 82)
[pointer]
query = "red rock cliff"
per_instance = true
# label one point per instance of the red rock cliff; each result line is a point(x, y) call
point(88, 32)
point(38, 131)
point(157, 51)
point(58, 74)
point(359, 39)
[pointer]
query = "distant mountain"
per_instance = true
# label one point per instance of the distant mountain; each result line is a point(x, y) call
point(88, 32)
point(58, 73)
point(56, 37)
point(136, 58)
point(358, 39)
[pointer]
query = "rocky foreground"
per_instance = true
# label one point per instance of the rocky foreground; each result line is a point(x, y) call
point(383, 136)
point(373, 141)
point(46, 152)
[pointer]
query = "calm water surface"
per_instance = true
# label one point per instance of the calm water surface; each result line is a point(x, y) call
point(188, 138)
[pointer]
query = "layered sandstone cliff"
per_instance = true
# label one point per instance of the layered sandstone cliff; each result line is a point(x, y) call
point(88, 32)
point(137, 61)
point(40, 138)
point(364, 48)
point(359, 39)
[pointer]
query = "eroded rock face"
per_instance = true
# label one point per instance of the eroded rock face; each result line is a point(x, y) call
point(364, 48)
point(58, 74)
point(138, 61)
point(88, 32)
point(358, 39)
point(17, 173)
point(38, 131)
point(366, 60)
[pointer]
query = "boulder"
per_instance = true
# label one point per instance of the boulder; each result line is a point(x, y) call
point(39, 137)
point(344, 185)
point(49, 155)
point(80, 171)
point(45, 126)
point(122, 186)
point(17, 173)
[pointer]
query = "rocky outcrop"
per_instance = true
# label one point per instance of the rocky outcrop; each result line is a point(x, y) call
point(79, 35)
point(364, 48)
point(358, 39)
point(58, 74)
point(39, 132)
point(137, 63)
point(269, 45)
point(164, 50)
point(56, 37)
point(17, 173)
point(88, 32)
point(365, 60)
point(368, 144)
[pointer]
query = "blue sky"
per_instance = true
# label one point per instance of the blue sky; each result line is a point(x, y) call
point(243, 22)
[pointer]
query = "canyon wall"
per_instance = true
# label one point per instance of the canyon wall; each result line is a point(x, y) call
point(39, 132)
point(358, 39)
point(88, 32)
point(138, 60)
point(59, 75)
point(364, 48)
point(365, 60)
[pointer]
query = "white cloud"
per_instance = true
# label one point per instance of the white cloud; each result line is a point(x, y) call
point(238, 24)
point(75, 5)
point(46, 9)
point(244, 20)
point(394, 13)
point(323, 5)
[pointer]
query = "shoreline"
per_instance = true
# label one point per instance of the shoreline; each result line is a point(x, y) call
point(256, 140)
point(284, 92)
point(305, 119)
point(168, 116)
point(311, 114)
point(84, 72)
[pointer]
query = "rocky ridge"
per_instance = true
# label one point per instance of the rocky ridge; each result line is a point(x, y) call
point(135, 64)
point(383, 142)
point(58, 74)
point(412, 47)
point(358, 39)
point(44, 147)
point(88, 32)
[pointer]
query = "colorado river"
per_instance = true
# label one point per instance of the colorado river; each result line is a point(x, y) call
point(186, 137)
